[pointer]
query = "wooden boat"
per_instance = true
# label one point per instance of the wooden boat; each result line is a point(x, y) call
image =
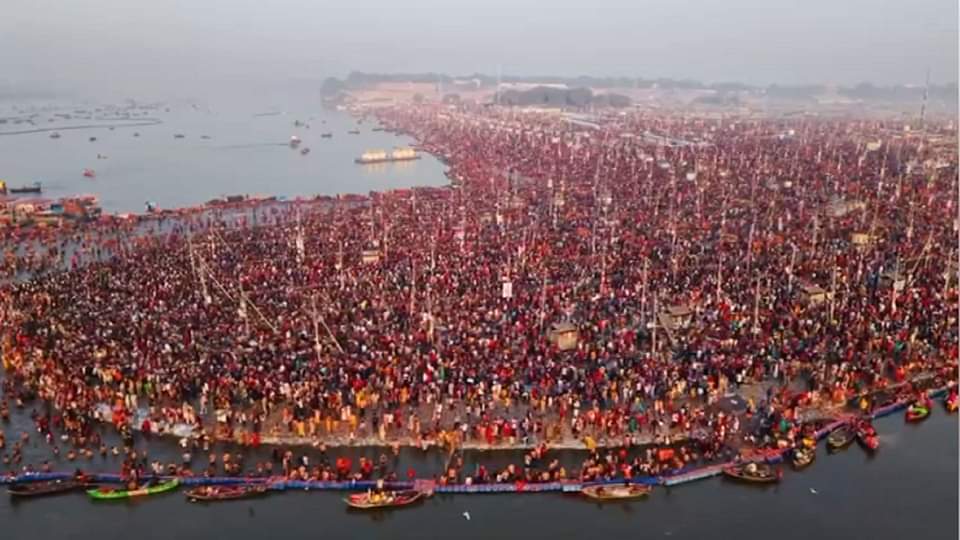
point(917, 412)
point(326, 135)
point(51, 487)
point(758, 473)
point(840, 438)
point(616, 492)
point(354, 132)
point(803, 457)
point(107, 494)
point(225, 493)
point(868, 438)
point(371, 501)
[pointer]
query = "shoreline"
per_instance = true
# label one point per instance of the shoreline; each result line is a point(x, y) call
point(678, 477)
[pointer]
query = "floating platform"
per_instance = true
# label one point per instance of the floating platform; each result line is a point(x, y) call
point(388, 159)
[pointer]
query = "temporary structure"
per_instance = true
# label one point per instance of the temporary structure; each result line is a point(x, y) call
point(564, 335)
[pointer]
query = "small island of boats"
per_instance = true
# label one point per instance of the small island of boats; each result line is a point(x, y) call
point(380, 156)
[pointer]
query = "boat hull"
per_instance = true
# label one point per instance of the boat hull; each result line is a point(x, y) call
point(916, 415)
point(839, 439)
point(46, 489)
point(802, 460)
point(225, 494)
point(616, 493)
point(740, 474)
point(950, 404)
point(101, 495)
point(404, 498)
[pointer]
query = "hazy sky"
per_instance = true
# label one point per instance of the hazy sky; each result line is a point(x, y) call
point(150, 44)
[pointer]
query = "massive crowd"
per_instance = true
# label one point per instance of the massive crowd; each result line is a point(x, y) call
point(811, 260)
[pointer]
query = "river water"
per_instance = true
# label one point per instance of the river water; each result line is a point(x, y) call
point(247, 152)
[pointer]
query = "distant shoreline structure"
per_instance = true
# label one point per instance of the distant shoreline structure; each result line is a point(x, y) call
point(622, 92)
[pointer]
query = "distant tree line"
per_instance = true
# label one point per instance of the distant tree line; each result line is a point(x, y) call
point(578, 92)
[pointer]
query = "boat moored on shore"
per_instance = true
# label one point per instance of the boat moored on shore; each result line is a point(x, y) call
point(918, 411)
point(107, 494)
point(840, 438)
point(616, 492)
point(224, 493)
point(867, 436)
point(374, 501)
point(756, 473)
point(49, 487)
point(803, 457)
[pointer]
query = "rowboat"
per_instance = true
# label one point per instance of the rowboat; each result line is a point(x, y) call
point(35, 188)
point(840, 438)
point(371, 501)
point(51, 487)
point(917, 412)
point(107, 494)
point(758, 473)
point(803, 457)
point(224, 493)
point(616, 492)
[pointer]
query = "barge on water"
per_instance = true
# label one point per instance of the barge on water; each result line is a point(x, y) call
point(379, 156)
point(35, 188)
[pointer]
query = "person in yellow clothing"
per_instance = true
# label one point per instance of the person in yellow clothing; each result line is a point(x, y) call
point(590, 443)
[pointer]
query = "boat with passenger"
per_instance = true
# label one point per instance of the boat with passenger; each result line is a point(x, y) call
point(867, 436)
point(803, 457)
point(225, 493)
point(373, 500)
point(951, 401)
point(50, 487)
point(109, 493)
point(840, 438)
point(752, 472)
point(918, 411)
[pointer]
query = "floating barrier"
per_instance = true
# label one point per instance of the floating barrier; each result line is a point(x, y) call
point(695, 475)
point(516, 487)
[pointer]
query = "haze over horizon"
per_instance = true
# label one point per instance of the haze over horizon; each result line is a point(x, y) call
point(179, 47)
